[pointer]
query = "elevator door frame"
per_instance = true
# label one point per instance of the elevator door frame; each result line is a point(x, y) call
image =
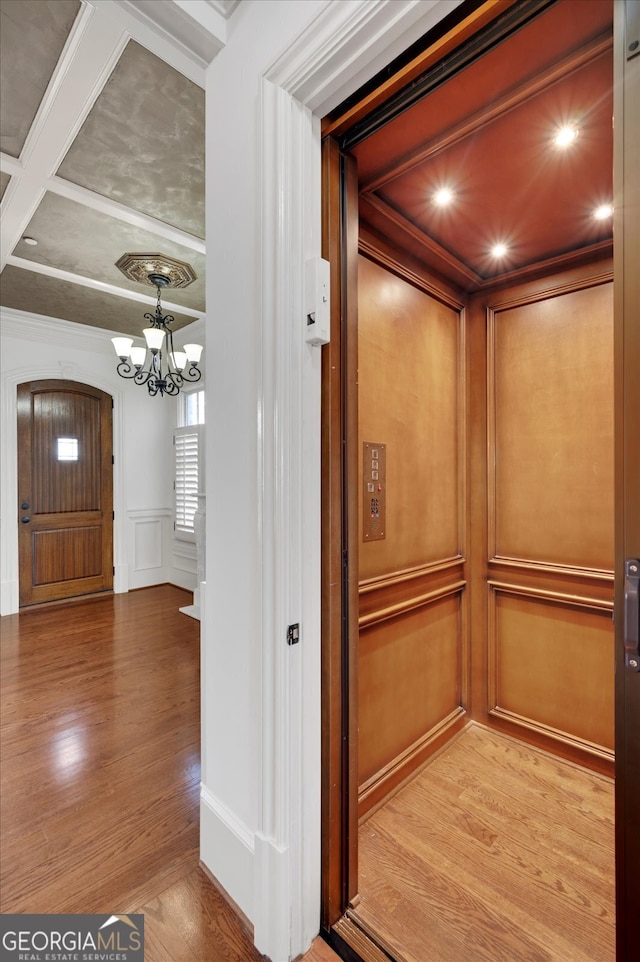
point(339, 821)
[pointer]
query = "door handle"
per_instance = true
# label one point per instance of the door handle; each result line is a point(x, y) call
point(25, 520)
point(631, 623)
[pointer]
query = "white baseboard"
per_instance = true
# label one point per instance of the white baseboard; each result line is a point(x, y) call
point(9, 595)
point(272, 917)
point(121, 579)
point(227, 850)
point(192, 610)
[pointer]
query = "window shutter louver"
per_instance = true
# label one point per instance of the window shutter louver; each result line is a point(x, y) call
point(186, 478)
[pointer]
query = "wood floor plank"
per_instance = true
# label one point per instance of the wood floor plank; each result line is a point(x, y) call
point(511, 848)
point(194, 911)
point(100, 773)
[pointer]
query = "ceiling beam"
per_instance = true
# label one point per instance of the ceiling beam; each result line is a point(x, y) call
point(49, 271)
point(90, 54)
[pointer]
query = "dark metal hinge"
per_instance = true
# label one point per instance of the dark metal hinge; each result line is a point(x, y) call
point(293, 634)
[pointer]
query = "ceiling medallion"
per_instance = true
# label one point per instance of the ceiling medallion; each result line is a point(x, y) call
point(143, 267)
point(163, 372)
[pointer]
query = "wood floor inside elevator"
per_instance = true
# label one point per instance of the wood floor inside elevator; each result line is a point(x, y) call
point(496, 852)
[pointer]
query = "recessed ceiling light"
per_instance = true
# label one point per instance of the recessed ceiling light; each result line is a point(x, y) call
point(443, 196)
point(602, 212)
point(31, 241)
point(499, 250)
point(565, 136)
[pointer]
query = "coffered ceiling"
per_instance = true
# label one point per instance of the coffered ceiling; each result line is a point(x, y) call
point(102, 138)
point(487, 136)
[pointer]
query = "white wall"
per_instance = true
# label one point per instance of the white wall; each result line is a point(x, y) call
point(260, 801)
point(233, 627)
point(144, 549)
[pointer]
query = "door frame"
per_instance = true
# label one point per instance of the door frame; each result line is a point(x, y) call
point(339, 850)
point(627, 470)
point(28, 457)
point(9, 577)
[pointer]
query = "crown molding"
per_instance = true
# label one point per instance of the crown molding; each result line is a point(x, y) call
point(39, 327)
point(197, 30)
point(55, 330)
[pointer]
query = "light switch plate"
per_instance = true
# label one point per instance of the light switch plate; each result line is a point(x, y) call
point(317, 301)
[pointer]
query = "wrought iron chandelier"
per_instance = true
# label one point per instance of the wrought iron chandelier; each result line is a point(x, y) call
point(158, 365)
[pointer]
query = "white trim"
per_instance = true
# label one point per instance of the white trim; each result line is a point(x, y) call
point(226, 841)
point(93, 49)
point(9, 600)
point(148, 33)
point(10, 165)
point(49, 271)
point(345, 43)
point(112, 208)
point(24, 324)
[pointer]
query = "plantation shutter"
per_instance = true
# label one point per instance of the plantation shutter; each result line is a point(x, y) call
point(187, 462)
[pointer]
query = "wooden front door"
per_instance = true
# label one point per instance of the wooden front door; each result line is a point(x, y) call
point(65, 490)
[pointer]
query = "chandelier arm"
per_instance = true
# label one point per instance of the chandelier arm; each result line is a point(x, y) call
point(193, 373)
point(126, 369)
point(142, 376)
point(176, 379)
point(167, 385)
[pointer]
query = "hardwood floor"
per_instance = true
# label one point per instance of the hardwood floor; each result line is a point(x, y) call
point(496, 852)
point(100, 740)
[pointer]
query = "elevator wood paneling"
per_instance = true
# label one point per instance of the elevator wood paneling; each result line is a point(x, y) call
point(551, 429)
point(65, 487)
point(542, 490)
point(408, 390)
point(412, 652)
point(420, 651)
point(548, 659)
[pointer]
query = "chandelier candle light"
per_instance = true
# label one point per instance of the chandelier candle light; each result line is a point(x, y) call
point(163, 371)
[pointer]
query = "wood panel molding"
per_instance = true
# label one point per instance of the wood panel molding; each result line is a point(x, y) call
point(542, 568)
point(573, 744)
point(502, 105)
point(381, 217)
point(388, 596)
point(559, 597)
point(376, 790)
point(420, 244)
point(599, 753)
point(569, 582)
point(502, 296)
point(376, 249)
point(401, 608)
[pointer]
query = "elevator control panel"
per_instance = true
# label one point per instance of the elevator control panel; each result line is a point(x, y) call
point(374, 490)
